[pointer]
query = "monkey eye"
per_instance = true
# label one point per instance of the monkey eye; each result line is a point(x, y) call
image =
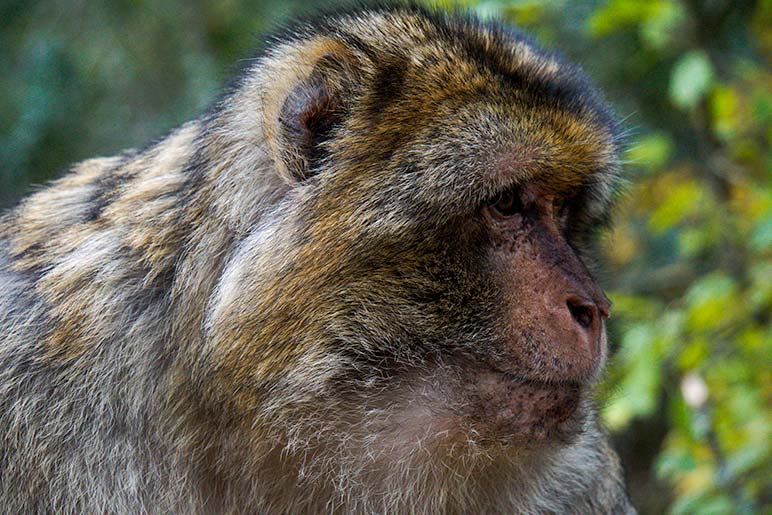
point(507, 203)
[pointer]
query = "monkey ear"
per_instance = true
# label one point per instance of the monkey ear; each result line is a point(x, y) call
point(311, 110)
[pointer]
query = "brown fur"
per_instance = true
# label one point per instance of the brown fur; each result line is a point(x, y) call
point(287, 304)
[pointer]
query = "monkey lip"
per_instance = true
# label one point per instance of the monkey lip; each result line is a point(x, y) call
point(520, 408)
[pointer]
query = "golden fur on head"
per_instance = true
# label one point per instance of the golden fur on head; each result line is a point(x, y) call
point(274, 307)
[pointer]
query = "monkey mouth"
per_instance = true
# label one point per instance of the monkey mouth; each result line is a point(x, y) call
point(522, 409)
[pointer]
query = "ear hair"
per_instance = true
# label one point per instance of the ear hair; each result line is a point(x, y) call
point(307, 106)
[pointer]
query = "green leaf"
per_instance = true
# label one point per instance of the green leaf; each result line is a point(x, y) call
point(711, 301)
point(675, 461)
point(691, 79)
point(660, 27)
point(637, 394)
point(761, 238)
point(746, 459)
point(724, 106)
point(652, 151)
point(682, 200)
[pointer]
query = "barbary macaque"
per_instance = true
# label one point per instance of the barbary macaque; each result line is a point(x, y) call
point(359, 283)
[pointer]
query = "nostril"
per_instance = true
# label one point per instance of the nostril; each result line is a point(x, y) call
point(581, 311)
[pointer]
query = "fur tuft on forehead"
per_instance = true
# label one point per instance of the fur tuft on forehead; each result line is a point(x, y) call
point(414, 80)
point(463, 46)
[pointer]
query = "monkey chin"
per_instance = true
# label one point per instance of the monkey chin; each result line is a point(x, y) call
point(524, 412)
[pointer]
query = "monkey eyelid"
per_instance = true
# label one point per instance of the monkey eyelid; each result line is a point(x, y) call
point(506, 203)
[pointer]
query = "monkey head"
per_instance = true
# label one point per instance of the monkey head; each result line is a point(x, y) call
point(421, 267)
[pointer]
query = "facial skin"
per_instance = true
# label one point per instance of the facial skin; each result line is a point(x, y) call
point(551, 339)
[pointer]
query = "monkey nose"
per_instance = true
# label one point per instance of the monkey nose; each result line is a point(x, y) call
point(583, 311)
point(586, 316)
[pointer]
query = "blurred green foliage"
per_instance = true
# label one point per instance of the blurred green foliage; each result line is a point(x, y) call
point(688, 263)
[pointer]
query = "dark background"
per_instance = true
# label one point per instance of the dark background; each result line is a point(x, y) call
point(688, 265)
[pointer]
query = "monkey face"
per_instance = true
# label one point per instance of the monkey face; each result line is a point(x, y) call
point(550, 339)
point(500, 297)
point(440, 196)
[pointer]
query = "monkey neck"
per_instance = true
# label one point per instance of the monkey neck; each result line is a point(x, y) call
point(408, 454)
point(385, 472)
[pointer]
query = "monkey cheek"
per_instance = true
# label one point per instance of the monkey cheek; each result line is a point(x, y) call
point(524, 412)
